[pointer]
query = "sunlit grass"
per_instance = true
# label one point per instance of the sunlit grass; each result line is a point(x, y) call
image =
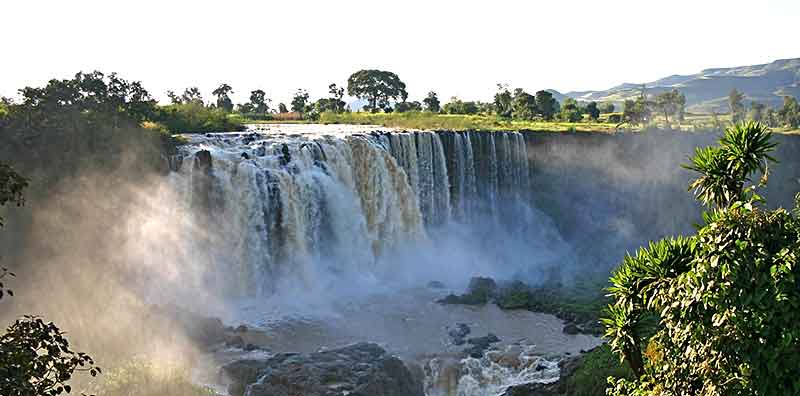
point(459, 122)
point(417, 120)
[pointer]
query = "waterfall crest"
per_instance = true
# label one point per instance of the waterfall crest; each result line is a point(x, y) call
point(278, 205)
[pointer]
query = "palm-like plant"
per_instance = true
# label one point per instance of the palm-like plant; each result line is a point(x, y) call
point(743, 150)
point(641, 282)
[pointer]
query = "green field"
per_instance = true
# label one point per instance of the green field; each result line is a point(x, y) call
point(433, 121)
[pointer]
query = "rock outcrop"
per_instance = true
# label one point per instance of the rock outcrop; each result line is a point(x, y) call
point(362, 369)
point(566, 367)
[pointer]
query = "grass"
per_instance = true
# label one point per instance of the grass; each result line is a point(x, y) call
point(417, 120)
point(457, 122)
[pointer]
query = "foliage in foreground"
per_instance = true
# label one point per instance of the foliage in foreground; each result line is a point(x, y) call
point(726, 301)
point(35, 357)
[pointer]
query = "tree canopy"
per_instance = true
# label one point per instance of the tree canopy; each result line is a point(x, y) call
point(379, 88)
point(431, 102)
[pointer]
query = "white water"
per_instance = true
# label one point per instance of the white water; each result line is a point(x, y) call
point(327, 245)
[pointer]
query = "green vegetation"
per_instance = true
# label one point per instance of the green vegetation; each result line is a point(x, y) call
point(714, 313)
point(197, 118)
point(460, 122)
point(379, 88)
point(580, 303)
point(589, 379)
point(148, 377)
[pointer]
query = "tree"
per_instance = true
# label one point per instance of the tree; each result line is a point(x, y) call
point(457, 106)
point(789, 114)
point(192, 95)
point(11, 187)
point(546, 105)
point(300, 101)
point(607, 107)
point(431, 102)
point(173, 97)
point(570, 111)
point(670, 103)
point(523, 105)
point(503, 101)
point(334, 103)
point(593, 111)
point(736, 105)
point(282, 108)
point(757, 111)
point(35, 357)
point(636, 111)
point(223, 99)
point(377, 87)
point(259, 102)
point(404, 107)
point(714, 313)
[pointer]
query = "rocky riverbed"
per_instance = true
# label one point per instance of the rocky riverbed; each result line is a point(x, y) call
point(402, 341)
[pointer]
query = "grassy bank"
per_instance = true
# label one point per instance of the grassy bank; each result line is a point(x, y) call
point(459, 122)
point(417, 120)
point(414, 120)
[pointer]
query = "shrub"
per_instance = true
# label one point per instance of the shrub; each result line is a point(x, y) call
point(196, 118)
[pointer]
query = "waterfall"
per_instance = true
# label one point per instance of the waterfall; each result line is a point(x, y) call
point(278, 205)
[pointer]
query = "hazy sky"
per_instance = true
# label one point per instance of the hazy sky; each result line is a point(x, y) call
point(461, 48)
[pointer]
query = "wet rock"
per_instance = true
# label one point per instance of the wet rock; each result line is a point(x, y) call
point(571, 328)
point(202, 160)
point(204, 331)
point(480, 345)
point(235, 342)
point(480, 291)
point(241, 373)
point(285, 157)
point(261, 151)
point(533, 389)
point(358, 370)
point(241, 328)
point(567, 368)
point(458, 333)
point(246, 156)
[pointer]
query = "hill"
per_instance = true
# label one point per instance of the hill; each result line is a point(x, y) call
point(708, 90)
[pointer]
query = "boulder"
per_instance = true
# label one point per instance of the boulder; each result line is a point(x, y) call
point(480, 345)
point(480, 291)
point(567, 368)
point(362, 369)
point(458, 333)
point(571, 328)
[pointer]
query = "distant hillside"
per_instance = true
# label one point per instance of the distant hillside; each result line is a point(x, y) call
point(708, 90)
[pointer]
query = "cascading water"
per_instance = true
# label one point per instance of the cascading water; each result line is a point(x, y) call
point(279, 205)
point(299, 211)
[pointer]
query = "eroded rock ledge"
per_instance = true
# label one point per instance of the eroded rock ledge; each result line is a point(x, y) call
point(362, 369)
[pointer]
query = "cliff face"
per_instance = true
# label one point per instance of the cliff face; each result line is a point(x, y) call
point(612, 193)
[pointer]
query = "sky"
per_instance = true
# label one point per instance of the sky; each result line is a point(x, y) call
point(456, 48)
